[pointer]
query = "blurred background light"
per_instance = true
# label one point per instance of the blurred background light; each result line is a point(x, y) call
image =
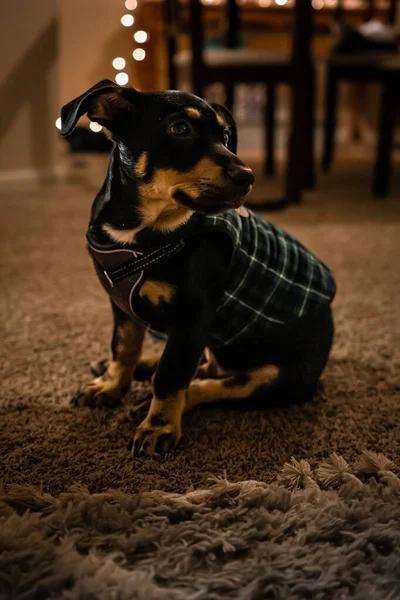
point(127, 20)
point(96, 127)
point(122, 78)
point(140, 37)
point(118, 63)
point(139, 54)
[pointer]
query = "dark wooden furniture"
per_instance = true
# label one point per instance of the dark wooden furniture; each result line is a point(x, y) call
point(383, 68)
point(232, 65)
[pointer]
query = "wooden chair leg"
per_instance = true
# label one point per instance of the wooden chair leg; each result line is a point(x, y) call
point(295, 163)
point(229, 96)
point(330, 120)
point(269, 130)
point(387, 117)
point(309, 133)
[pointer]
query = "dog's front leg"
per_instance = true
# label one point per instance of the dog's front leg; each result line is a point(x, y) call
point(161, 430)
point(114, 382)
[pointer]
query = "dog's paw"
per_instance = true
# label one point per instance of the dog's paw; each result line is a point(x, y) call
point(159, 439)
point(99, 393)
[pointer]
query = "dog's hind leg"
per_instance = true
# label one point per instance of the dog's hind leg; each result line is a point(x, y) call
point(144, 370)
point(147, 366)
point(239, 386)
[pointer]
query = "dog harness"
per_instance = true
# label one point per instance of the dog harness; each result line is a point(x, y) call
point(272, 278)
point(121, 270)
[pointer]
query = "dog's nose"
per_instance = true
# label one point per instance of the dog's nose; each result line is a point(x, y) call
point(241, 176)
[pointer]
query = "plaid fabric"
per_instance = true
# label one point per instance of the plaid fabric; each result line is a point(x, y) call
point(273, 279)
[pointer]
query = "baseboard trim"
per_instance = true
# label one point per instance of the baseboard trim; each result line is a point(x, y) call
point(31, 175)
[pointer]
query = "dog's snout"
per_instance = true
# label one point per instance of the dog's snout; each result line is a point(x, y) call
point(241, 176)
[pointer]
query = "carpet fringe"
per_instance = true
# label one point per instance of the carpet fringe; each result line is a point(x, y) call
point(298, 474)
point(295, 475)
point(377, 464)
point(336, 471)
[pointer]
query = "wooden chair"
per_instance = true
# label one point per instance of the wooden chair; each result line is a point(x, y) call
point(379, 67)
point(232, 65)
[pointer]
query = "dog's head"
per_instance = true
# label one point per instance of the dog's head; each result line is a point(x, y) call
point(175, 146)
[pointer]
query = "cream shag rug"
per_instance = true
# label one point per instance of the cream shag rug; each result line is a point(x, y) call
point(246, 540)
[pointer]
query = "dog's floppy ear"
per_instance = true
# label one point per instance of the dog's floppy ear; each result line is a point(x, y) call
point(227, 118)
point(102, 102)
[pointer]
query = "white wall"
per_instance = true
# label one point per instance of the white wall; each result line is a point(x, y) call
point(28, 87)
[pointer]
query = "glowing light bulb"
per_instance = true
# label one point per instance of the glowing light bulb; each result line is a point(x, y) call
point(122, 78)
point(127, 20)
point(118, 63)
point(264, 3)
point(317, 4)
point(58, 123)
point(96, 127)
point(140, 37)
point(139, 54)
point(280, 2)
point(131, 4)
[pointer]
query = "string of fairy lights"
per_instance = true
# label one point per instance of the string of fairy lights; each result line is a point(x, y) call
point(141, 37)
point(316, 4)
point(119, 63)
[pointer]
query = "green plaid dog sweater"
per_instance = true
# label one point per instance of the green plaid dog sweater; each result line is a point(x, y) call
point(273, 279)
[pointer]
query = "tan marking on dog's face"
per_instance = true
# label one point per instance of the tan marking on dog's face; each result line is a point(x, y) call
point(193, 112)
point(141, 165)
point(157, 292)
point(158, 209)
point(236, 387)
point(122, 236)
point(221, 121)
point(167, 181)
point(164, 215)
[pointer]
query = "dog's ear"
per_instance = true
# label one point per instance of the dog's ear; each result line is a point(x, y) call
point(102, 103)
point(227, 118)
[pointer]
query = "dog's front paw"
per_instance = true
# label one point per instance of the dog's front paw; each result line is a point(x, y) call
point(155, 439)
point(99, 393)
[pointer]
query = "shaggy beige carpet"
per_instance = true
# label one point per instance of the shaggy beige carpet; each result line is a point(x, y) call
point(245, 540)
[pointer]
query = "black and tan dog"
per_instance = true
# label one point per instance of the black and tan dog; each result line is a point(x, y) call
point(177, 252)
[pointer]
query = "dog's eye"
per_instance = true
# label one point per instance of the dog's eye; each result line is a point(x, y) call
point(180, 128)
point(226, 136)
